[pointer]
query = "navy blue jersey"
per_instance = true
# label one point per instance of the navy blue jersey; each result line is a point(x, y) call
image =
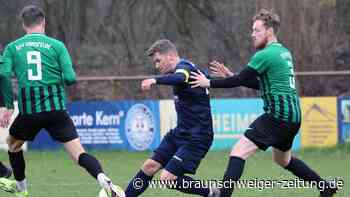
point(192, 104)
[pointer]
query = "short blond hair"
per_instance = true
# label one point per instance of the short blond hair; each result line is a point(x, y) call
point(161, 46)
point(269, 18)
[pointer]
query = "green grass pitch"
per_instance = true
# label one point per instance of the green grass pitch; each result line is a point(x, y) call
point(54, 174)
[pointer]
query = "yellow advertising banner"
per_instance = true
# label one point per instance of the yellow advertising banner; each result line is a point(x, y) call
point(319, 122)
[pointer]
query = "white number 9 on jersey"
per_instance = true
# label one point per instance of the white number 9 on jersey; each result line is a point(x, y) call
point(34, 57)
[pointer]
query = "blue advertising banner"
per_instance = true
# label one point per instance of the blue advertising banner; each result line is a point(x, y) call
point(128, 125)
point(231, 117)
point(135, 125)
point(344, 119)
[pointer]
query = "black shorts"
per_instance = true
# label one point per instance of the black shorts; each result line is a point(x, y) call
point(268, 131)
point(58, 123)
point(181, 153)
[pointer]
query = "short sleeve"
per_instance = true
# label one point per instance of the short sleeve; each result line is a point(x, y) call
point(259, 62)
point(184, 69)
point(64, 57)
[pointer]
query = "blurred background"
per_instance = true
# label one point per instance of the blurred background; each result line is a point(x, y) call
point(109, 38)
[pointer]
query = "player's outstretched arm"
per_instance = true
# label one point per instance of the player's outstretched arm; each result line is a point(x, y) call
point(199, 80)
point(146, 84)
point(247, 74)
point(219, 70)
point(252, 83)
point(6, 91)
point(5, 78)
point(240, 79)
point(6, 102)
point(170, 79)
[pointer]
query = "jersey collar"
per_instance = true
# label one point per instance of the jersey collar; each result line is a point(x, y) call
point(273, 43)
point(34, 33)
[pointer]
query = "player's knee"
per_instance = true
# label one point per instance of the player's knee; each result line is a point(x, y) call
point(13, 144)
point(244, 148)
point(74, 149)
point(283, 162)
point(150, 167)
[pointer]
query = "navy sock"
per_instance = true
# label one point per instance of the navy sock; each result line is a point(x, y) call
point(138, 184)
point(91, 164)
point(301, 170)
point(189, 185)
point(233, 173)
point(18, 165)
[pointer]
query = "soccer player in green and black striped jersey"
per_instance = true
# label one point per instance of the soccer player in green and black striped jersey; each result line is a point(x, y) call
point(42, 66)
point(270, 71)
point(5, 114)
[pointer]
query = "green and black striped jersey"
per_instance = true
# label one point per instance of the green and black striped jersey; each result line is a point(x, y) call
point(6, 98)
point(275, 66)
point(42, 66)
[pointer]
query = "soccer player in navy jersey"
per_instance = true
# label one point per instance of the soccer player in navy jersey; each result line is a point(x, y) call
point(183, 147)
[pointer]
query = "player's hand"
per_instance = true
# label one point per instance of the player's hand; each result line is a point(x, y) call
point(5, 117)
point(147, 84)
point(219, 69)
point(200, 80)
point(2, 112)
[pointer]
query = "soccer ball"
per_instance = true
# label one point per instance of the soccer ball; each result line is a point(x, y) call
point(119, 190)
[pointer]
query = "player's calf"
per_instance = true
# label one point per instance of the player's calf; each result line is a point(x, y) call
point(151, 167)
point(14, 144)
point(282, 158)
point(142, 178)
point(329, 192)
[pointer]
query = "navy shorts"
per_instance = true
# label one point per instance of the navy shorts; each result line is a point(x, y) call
point(268, 131)
point(57, 123)
point(181, 152)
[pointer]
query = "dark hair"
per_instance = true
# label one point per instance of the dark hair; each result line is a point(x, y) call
point(270, 19)
point(32, 15)
point(162, 46)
